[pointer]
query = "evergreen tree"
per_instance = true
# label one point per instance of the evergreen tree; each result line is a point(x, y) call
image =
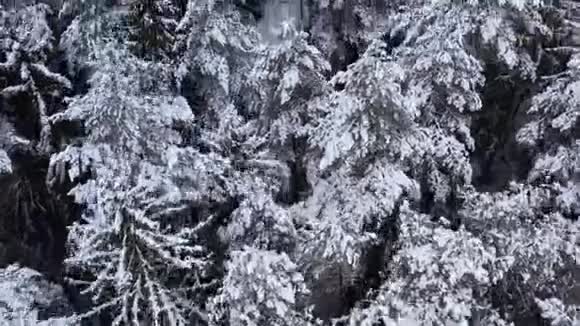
point(31, 89)
point(127, 244)
point(553, 135)
point(288, 75)
point(90, 21)
point(152, 27)
point(29, 298)
point(27, 45)
point(260, 287)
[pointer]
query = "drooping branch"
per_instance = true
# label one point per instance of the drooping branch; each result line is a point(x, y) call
point(44, 143)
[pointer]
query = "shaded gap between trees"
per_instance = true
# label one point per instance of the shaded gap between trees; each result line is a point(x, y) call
point(497, 158)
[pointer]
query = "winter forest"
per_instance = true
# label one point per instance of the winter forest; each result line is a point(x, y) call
point(290, 162)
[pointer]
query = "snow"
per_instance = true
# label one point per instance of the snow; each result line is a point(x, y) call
point(289, 81)
point(43, 70)
point(286, 176)
point(5, 163)
point(260, 284)
point(24, 292)
point(281, 20)
point(558, 313)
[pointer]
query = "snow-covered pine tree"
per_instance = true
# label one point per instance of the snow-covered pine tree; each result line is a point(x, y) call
point(435, 278)
point(31, 88)
point(259, 232)
point(286, 77)
point(262, 284)
point(261, 287)
point(552, 134)
point(28, 298)
point(441, 80)
point(215, 49)
point(88, 23)
point(489, 272)
point(134, 238)
point(364, 134)
point(214, 45)
point(404, 107)
point(534, 244)
point(343, 29)
point(152, 28)
point(27, 45)
point(558, 313)
point(445, 79)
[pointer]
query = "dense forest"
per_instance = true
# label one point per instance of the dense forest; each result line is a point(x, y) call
point(290, 162)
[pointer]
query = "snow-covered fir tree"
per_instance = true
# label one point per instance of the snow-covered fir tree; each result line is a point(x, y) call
point(152, 27)
point(131, 196)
